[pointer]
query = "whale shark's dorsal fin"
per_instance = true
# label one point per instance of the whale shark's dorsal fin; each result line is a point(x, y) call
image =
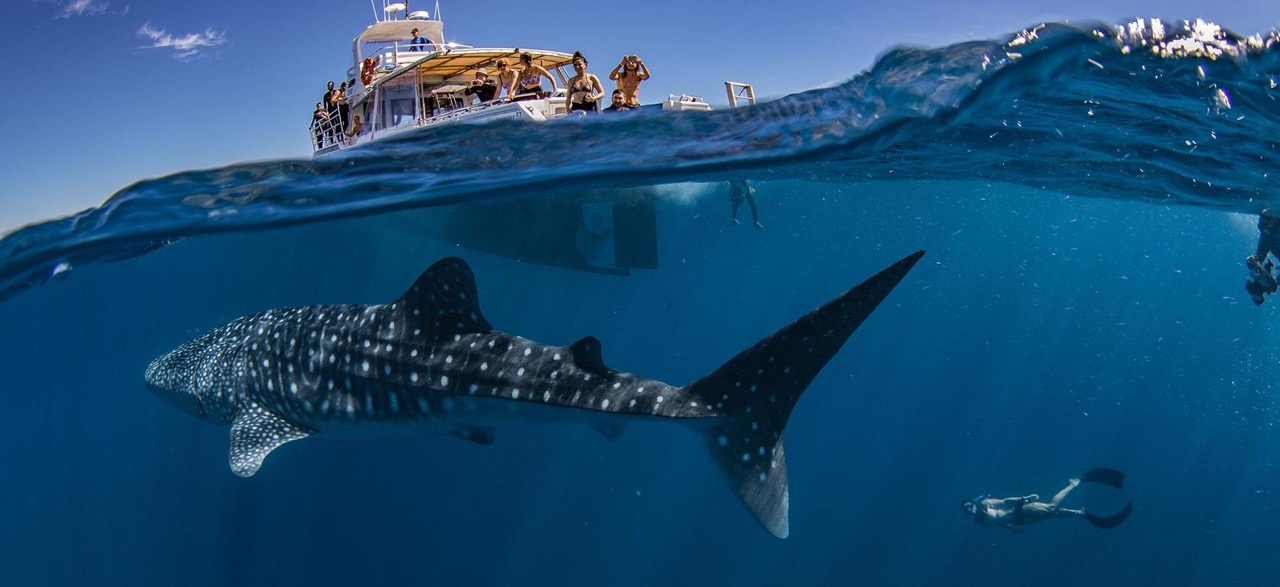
point(256, 432)
point(443, 302)
point(586, 355)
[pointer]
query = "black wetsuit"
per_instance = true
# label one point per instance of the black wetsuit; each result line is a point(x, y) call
point(317, 127)
point(1268, 237)
point(1262, 281)
point(485, 91)
point(331, 128)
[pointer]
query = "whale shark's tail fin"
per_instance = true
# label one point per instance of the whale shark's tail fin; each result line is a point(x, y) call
point(757, 389)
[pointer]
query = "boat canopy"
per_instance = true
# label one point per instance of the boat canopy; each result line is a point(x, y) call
point(453, 63)
point(391, 31)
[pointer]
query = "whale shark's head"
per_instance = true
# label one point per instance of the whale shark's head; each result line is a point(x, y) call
point(172, 376)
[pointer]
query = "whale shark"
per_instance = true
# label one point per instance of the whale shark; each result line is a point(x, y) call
point(430, 363)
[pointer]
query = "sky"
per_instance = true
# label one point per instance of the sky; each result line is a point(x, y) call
point(109, 92)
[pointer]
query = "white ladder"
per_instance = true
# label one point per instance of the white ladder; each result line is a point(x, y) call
point(740, 92)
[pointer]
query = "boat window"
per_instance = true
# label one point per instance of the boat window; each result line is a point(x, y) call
point(397, 105)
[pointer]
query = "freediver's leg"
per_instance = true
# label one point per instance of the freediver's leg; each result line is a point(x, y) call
point(755, 213)
point(1061, 495)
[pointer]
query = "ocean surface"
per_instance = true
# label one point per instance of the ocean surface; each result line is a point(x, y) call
point(1086, 194)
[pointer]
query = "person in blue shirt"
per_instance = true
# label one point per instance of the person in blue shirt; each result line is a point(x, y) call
point(419, 43)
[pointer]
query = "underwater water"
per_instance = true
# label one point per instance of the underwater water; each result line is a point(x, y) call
point(1086, 210)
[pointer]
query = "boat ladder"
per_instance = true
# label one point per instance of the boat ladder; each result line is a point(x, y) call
point(740, 93)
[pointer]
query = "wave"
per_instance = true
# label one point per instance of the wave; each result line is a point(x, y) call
point(1179, 114)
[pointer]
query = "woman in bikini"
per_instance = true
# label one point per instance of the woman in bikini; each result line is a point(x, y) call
point(529, 84)
point(506, 80)
point(585, 90)
point(629, 73)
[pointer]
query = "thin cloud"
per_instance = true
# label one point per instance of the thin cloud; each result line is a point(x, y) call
point(184, 47)
point(83, 8)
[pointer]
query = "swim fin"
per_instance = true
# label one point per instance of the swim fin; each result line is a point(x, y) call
point(1110, 521)
point(1104, 476)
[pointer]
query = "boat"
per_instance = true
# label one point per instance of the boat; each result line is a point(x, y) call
point(412, 87)
point(610, 231)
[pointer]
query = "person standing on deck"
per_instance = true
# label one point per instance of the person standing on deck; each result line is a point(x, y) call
point(418, 43)
point(629, 73)
point(331, 107)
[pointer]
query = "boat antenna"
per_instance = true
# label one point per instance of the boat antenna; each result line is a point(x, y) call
point(438, 10)
point(374, 9)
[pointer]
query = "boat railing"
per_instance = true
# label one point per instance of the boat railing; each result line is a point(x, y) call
point(329, 132)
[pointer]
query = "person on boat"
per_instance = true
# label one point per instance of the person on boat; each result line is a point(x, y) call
point(419, 43)
point(585, 89)
point(529, 82)
point(506, 79)
point(1262, 278)
point(740, 192)
point(482, 87)
point(339, 99)
point(331, 108)
point(617, 103)
point(1016, 512)
point(319, 120)
point(357, 127)
point(368, 68)
point(629, 73)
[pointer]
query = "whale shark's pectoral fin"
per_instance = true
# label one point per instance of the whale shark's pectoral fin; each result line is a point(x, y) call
point(256, 432)
point(586, 355)
point(443, 302)
point(482, 435)
point(611, 430)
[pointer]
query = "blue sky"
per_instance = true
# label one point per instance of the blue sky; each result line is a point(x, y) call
point(107, 92)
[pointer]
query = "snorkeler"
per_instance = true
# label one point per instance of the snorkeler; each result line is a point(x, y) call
point(739, 192)
point(1262, 280)
point(1016, 512)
